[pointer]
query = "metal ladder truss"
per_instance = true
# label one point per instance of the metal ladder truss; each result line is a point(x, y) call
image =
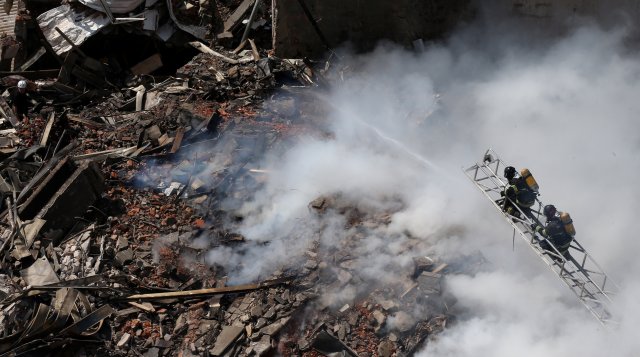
point(579, 271)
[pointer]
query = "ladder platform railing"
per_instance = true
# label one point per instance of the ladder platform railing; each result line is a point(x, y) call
point(579, 271)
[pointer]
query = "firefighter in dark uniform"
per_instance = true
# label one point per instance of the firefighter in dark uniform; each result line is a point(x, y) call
point(20, 102)
point(517, 192)
point(555, 232)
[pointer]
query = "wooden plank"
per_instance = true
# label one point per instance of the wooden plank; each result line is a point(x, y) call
point(47, 129)
point(439, 268)
point(36, 56)
point(205, 292)
point(31, 230)
point(90, 123)
point(252, 17)
point(102, 155)
point(144, 306)
point(178, 140)
point(254, 50)
point(413, 286)
point(236, 18)
point(148, 65)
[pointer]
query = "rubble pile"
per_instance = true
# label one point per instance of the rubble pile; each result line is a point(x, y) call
point(114, 193)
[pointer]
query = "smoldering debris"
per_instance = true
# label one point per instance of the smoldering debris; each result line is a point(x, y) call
point(193, 194)
point(126, 194)
point(125, 266)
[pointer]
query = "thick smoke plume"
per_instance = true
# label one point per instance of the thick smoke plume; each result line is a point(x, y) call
point(404, 125)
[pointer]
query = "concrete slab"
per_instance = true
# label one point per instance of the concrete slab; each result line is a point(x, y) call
point(226, 338)
point(430, 283)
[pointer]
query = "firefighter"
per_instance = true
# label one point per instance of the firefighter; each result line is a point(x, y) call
point(20, 102)
point(517, 192)
point(555, 232)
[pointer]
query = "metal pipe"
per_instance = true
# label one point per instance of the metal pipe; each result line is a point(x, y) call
point(251, 18)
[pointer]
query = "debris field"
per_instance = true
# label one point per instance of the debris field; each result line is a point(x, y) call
point(131, 168)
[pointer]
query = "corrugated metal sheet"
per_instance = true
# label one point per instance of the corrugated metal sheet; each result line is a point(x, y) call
point(77, 24)
point(116, 6)
point(8, 22)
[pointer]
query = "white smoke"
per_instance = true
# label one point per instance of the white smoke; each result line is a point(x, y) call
point(403, 127)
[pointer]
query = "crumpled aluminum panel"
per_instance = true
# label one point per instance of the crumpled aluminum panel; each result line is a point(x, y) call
point(77, 24)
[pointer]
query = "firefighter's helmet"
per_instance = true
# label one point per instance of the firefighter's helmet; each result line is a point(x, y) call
point(509, 172)
point(549, 211)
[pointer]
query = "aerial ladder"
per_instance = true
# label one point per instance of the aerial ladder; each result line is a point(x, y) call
point(579, 271)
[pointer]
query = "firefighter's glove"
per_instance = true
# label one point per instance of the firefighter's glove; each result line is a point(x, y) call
point(534, 227)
